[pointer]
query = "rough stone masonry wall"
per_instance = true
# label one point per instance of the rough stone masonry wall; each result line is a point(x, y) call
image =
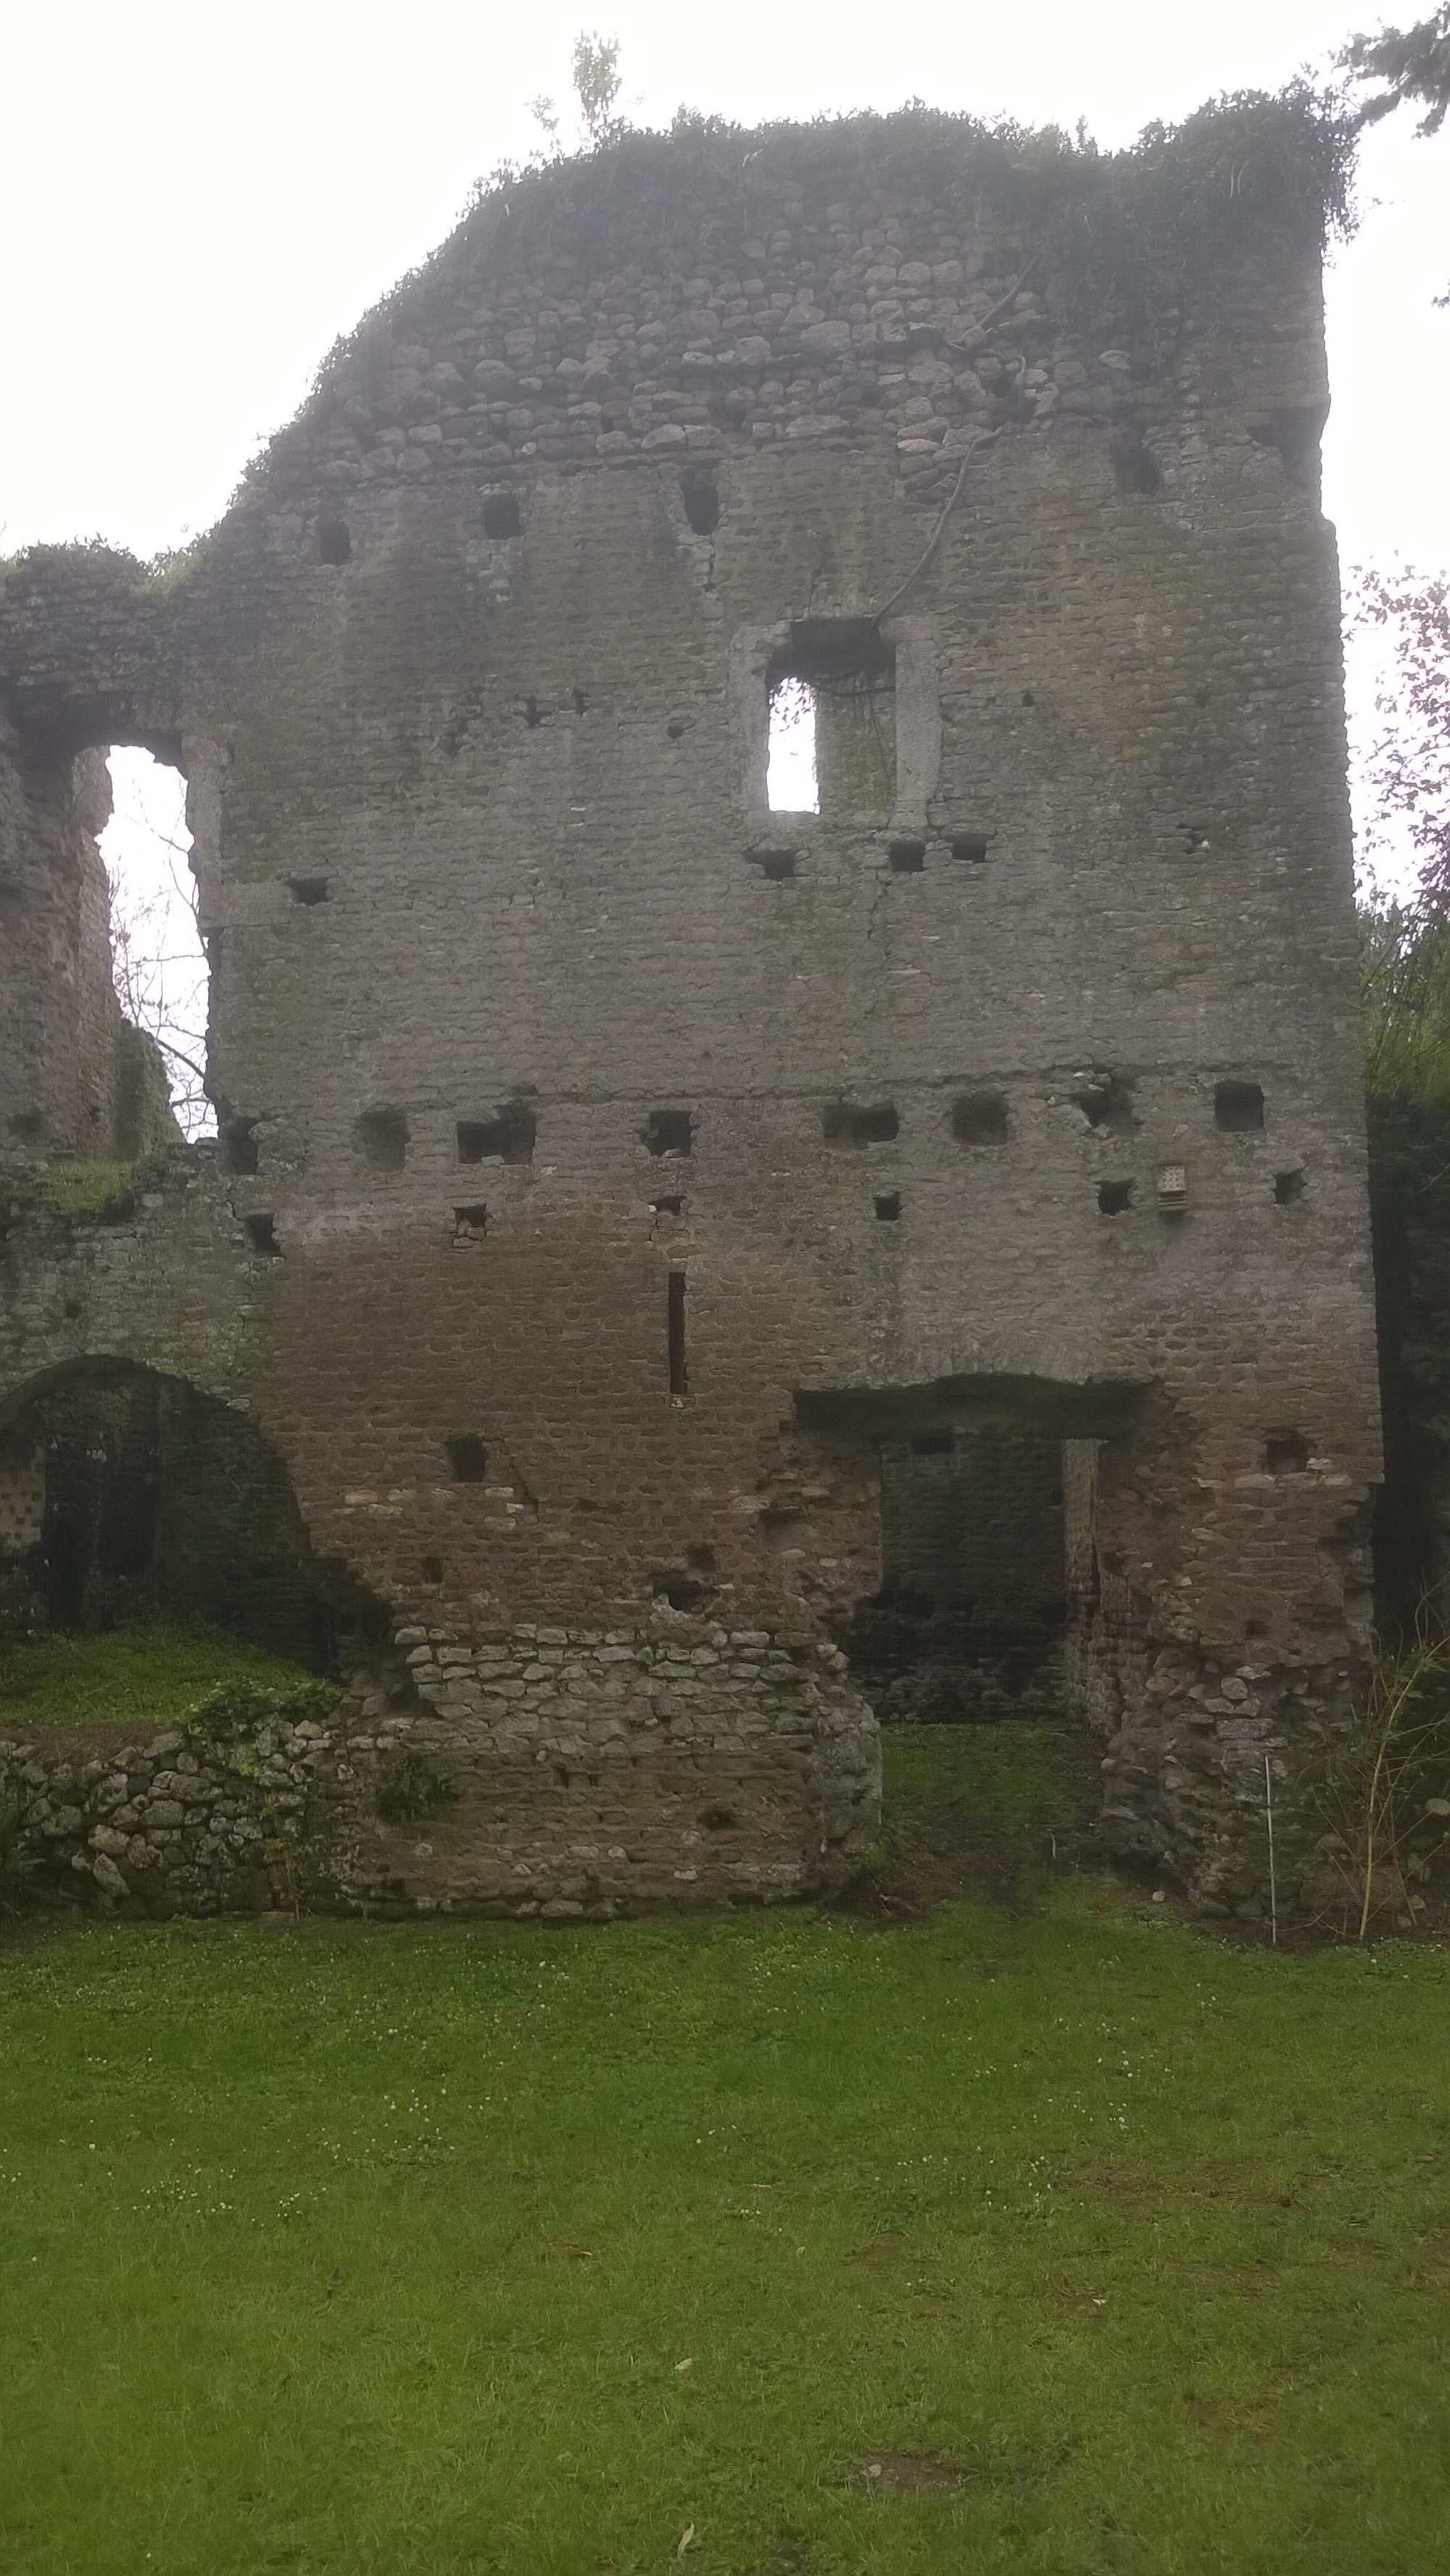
point(483, 846)
point(543, 1773)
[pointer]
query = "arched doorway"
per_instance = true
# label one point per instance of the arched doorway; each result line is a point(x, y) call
point(128, 1495)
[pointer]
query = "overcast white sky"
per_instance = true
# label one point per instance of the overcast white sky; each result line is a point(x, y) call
point(196, 202)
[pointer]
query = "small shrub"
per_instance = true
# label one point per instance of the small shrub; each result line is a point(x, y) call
point(91, 1193)
point(239, 1702)
point(410, 1786)
point(1385, 1791)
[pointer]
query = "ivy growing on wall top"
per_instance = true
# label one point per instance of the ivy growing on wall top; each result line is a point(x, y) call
point(1232, 166)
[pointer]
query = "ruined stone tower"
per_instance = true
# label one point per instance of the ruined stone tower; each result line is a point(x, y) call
point(620, 1176)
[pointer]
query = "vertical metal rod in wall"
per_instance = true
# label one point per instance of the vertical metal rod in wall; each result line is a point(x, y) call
point(1273, 1889)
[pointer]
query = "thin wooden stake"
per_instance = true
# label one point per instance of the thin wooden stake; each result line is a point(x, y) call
point(1273, 1889)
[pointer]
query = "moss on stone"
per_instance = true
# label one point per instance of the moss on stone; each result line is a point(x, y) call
point(86, 1193)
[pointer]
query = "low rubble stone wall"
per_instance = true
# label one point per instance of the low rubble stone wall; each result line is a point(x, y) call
point(548, 1772)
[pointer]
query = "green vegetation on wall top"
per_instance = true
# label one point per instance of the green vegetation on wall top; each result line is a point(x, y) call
point(1235, 162)
point(152, 1675)
point(1239, 168)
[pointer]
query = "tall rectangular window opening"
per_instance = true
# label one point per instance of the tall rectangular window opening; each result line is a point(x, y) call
point(679, 1381)
point(791, 785)
point(158, 964)
point(832, 697)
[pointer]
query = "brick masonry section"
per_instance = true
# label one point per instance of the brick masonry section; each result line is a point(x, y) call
point(610, 1164)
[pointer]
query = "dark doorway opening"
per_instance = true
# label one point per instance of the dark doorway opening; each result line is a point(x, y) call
point(136, 1497)
point(970, 1616)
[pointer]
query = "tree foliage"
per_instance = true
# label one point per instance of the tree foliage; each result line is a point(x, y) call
point(597, 80)
point(1405, 948)
point(597, 83)
point(1413, 66)
point(1408, 764)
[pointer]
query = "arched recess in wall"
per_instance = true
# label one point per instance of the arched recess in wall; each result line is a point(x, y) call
point(128, 1494)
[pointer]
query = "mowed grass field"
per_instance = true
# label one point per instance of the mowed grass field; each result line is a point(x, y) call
point(1053, 2239)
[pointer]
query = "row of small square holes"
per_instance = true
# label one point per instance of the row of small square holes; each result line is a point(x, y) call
point(1114, 1199)
point(1286, 1453)
point(977, 1118)
point(908, 858)
point(502, 517)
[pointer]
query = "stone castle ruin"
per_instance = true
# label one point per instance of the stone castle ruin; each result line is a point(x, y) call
point(680, 1250)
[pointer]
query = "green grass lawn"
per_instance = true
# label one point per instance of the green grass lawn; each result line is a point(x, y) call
point(982, 1806)
point(142, 1676)
point(484, 2251)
